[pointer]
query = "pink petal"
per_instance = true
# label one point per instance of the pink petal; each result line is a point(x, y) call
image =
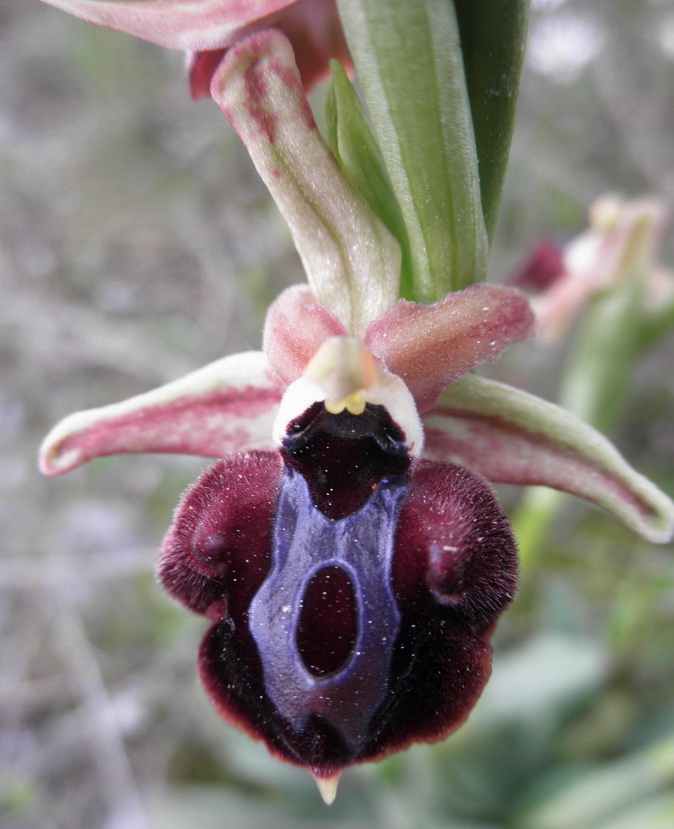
point(192, 25)
point(227, 406)
point(430, 346)
point(315, 31)
point(515, 438)
point(295, 328)
point(351, 260)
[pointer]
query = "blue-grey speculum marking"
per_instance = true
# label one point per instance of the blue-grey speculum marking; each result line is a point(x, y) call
point(304, 541)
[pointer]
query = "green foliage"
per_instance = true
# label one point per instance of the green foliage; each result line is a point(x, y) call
point(408, 58)
point(584, 696)
point(493, 35)
point(356, 150)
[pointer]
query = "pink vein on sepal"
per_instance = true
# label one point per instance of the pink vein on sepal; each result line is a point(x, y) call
point(228, 406)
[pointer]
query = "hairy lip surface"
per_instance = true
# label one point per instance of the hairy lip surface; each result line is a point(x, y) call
point(429, 564)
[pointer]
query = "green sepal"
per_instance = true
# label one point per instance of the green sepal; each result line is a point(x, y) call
point(493, 34)
point(410, 67)
point(355, 148)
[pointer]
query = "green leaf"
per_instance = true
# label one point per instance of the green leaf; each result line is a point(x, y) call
point(601, 795)
point(493, 34)
point(355, 148)
point(409, 64)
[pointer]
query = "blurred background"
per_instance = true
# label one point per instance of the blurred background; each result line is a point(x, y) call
point(136, 243)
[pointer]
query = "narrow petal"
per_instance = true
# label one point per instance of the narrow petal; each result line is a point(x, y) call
point(430, 346)
point(351, 260)
point(296, 312)
point(513, 437)
point(227, 406)
point(177, 24)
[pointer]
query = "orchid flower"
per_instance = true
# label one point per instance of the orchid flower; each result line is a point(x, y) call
point(622, 238)
point(346, 545)
point(205, 29)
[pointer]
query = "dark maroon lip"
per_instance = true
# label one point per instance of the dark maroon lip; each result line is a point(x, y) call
point(352, 590)
point(341, 640)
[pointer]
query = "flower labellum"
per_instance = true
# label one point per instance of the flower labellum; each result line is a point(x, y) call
point(351, 587)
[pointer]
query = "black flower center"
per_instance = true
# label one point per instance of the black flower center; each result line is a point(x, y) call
point(343, 456)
